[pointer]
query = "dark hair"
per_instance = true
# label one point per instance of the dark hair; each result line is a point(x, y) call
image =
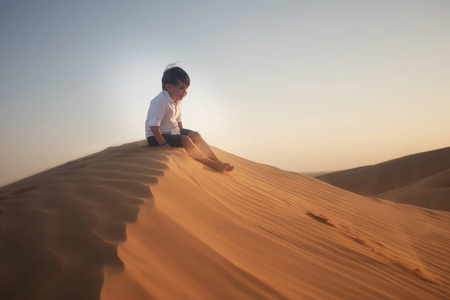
point(173, 74)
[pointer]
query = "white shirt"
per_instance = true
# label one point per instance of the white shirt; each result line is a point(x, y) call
point(164, 113)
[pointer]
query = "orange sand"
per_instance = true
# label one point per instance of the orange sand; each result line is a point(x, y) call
point(421, 179)
point(132, 222)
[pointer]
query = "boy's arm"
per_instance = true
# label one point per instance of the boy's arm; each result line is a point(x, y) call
point(158, 136)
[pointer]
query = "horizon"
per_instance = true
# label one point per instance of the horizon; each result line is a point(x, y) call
point(305, 86)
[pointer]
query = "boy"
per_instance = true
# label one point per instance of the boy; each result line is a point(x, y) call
point(164, 128)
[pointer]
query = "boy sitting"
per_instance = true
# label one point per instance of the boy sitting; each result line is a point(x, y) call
point(164, 128)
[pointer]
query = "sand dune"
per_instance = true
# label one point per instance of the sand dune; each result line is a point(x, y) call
point(421, 179)
point(132, 222)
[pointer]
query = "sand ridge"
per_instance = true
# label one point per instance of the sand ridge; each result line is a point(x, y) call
point(60, 228)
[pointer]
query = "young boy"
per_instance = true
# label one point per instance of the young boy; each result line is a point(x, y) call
point(164, 128)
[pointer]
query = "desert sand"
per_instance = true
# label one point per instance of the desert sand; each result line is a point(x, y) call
point(421, 179)
point(132, 222)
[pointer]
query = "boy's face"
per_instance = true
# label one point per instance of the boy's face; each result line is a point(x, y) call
point(178, 91)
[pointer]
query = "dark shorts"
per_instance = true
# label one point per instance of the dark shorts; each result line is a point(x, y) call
point(174, 140)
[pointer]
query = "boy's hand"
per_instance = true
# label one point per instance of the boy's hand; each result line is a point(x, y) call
point(166, 147)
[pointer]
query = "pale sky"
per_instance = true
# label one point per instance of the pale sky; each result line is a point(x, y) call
point(300, 85)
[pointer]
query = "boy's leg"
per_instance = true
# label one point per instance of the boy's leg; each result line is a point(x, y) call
point(202, 145)
point(196, 154)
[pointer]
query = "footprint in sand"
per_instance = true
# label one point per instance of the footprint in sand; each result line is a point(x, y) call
point(394, 257)
point(321, 218)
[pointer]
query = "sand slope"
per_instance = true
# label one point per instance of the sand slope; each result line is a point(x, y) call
point(135, 223)
point(60, 229)
point(421, 179)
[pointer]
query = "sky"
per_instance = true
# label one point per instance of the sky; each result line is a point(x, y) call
point(305, 86)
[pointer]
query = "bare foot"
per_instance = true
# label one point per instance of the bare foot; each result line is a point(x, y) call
point(229, 168)
point(220, 166)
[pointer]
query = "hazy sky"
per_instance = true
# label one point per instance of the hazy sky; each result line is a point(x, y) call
point(301, 85)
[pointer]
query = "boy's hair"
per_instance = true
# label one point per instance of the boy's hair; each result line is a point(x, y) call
point(173, 74)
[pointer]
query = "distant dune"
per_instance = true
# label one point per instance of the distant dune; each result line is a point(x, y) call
point(132, 222)
point(421, 179)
